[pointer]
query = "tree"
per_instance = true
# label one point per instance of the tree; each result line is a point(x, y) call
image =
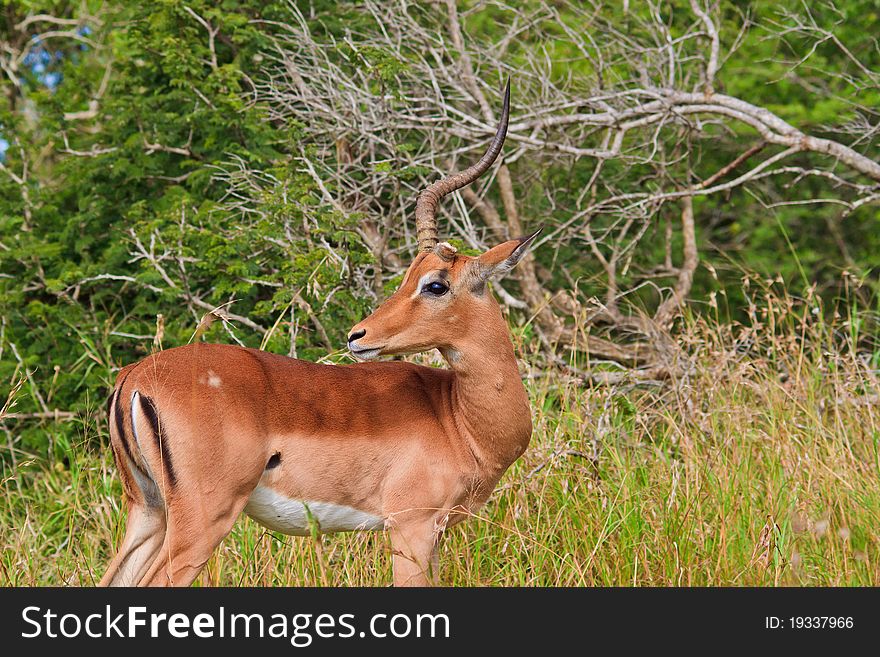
point(621, 129)
point(114, 243)
point(248, 171)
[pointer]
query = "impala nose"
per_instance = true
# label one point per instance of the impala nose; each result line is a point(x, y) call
point(357, 335)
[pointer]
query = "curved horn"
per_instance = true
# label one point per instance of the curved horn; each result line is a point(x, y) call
point(429, 199)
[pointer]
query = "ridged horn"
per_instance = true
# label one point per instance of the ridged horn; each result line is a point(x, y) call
point(426, 205)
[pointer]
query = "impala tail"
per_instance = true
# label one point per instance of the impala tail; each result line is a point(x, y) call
point(139, 444)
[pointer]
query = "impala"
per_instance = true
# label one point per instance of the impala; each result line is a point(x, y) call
point(204, 432)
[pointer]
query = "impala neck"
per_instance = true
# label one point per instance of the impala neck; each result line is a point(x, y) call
point(488, 397)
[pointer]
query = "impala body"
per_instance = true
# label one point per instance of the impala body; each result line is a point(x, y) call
point(204, 432)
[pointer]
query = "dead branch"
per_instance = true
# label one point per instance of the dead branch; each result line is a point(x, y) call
point(653, 99)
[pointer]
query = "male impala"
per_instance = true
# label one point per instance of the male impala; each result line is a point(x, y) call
point(203, 432)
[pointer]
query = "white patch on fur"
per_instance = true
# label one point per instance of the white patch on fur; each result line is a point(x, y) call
point(283, 514)
point(213, 380)
point(148, 486)
point(135, 396)
point(423, 281)
point(135, 404)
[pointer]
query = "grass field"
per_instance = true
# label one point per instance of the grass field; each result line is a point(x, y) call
point(760, 467)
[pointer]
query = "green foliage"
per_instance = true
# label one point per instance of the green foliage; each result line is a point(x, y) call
point(134, 156)
point(145, 172)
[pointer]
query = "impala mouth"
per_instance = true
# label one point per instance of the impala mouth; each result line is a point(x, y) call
point(364, 354)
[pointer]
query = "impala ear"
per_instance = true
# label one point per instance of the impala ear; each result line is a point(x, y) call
point(499, 260)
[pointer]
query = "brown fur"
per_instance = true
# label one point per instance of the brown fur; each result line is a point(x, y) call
point(417, 446)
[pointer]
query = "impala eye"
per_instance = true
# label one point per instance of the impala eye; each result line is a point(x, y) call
point(436, 288)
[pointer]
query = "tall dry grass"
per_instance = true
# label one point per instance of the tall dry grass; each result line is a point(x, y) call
point(757, 465)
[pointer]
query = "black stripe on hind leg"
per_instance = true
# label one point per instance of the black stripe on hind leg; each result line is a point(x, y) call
point(119, 418)
point(152, 413)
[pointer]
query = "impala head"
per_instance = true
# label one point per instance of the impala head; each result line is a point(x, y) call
point(444, 295)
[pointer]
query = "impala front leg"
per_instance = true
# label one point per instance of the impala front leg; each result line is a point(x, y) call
point(415, 545)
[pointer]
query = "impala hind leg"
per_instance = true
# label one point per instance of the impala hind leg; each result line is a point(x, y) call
point(144, 533)
point(416, 550)
point(194, 530)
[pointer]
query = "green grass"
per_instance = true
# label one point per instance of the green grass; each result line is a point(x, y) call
point(758, 468)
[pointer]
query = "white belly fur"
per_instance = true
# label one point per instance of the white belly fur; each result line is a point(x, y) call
point(283, 514)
